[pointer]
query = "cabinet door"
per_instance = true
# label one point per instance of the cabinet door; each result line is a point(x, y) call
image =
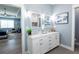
point(35, 46)
point(46, 44)
point(43, 44)
point(57, 38)
point(51, 41)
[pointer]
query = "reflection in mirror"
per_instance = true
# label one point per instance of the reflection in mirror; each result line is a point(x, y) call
point(36, 20)
point(46, 21)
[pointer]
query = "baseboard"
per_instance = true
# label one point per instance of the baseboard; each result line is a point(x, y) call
point(67, 47)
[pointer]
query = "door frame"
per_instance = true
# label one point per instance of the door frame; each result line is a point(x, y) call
point(23, 28)
point(73, 27)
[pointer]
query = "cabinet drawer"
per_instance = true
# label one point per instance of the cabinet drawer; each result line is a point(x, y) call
point(49, 37)
point(57, 36)
point(56, 42)
point(41, 39)
point(50, 40)
point(51, 46)
point(43, 48)
point(41, 44)
point(50, 43)
point(35, 46)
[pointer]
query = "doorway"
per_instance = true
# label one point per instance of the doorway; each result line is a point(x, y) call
point(10, 29)
point(76, 29)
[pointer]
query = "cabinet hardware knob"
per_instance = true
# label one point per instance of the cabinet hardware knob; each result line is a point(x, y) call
point(41, 39)
point(40, 43)
point(50, 40)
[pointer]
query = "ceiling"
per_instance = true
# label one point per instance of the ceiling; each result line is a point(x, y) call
point(11, 9)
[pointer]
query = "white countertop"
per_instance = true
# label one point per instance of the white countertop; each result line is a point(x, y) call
point(33, 36)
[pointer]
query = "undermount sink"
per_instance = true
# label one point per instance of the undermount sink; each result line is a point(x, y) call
point(44, 33)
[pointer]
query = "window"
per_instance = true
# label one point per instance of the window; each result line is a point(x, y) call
point(10, 23)
point(3, 24)
point(6, 23)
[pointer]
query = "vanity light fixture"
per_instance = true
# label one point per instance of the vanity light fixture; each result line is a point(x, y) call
point(28, 14)
point(53, 18)
point(43, 16)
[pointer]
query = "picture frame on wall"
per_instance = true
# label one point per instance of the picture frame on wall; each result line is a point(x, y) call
point(62, 18)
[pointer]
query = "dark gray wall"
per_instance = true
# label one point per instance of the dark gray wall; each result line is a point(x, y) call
point(77, 24)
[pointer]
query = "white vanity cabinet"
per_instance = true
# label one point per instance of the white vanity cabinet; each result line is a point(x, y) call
point(53, 40)
point(33, 45)
point(39, 44)
point(43, 44)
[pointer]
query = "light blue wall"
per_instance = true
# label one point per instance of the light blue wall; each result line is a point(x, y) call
point(64, 29)
point(39, 8)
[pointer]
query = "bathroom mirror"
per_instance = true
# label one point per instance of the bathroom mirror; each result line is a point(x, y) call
point(46, 21)
point(36, 20)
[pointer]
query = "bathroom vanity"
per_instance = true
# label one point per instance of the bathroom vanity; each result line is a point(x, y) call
point(42, 43)
point(42, 38)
